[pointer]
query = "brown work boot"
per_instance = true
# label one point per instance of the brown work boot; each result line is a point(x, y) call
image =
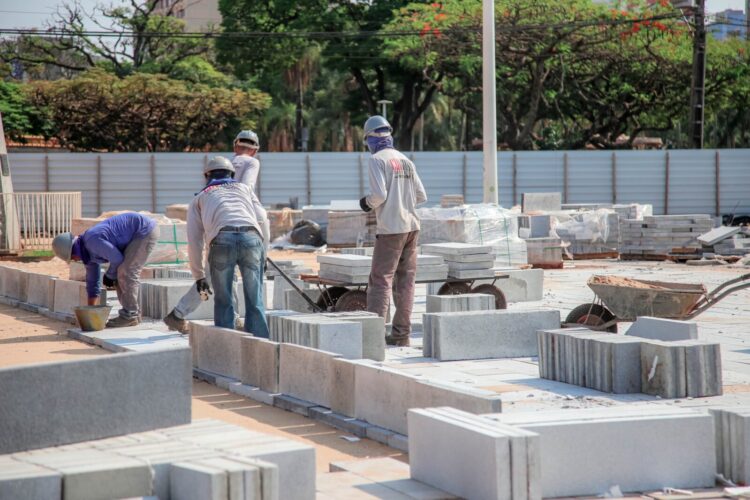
point(175, 323)
point(402, 341)
point(120, 322)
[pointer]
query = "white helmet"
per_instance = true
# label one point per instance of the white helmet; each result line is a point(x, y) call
point(218, 163)
point(247, 138)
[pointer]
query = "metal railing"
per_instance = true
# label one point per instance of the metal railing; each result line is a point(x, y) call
point(37, 218)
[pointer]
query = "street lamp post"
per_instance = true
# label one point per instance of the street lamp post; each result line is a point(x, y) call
point(384, 107)
point(489, 118)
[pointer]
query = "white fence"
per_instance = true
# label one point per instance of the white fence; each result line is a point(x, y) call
point(674, 181)
point(37, 218)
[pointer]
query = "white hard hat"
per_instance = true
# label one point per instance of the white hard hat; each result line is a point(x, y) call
point(218, 163)
point(247, 138)
point(62, 245)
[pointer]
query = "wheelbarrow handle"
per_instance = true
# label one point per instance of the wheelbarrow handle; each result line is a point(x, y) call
point(739, 279)
point(315, 307)
point(714, 296)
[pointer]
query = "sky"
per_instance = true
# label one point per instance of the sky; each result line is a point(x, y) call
point(34, 13)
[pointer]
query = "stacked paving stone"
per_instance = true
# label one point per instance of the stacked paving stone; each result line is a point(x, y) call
point(637, 447)
point(659, 236)
point(726, 241)
point(292, 268)
point(464, 260)
point(318, 331)
point(348, 268)
point(206, 459)
point(358, 251)
point(485, 334)
point(629, 364)
point(159, 297)
point(732, 427)
point(460, 303)
point(472, 456)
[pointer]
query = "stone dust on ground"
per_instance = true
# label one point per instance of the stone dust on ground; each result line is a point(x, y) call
point(210, 401)
point(27, 338)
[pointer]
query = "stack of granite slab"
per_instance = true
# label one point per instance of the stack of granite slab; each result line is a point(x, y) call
point(159, 297)
point(472, 456)
point(358, 251)
point(464, 260)
point(726, 241)
point(292, 268)
point(356, 268)
point(659, 236)
point(201, 460)
point(629, 364)
point(451, 336)
point(364, 340)
point(643, 447)
point(732, 426)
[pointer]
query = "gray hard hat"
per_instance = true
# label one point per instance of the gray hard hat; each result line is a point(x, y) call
point(374, 126)
point(218, 163)
point(62, 245)
point(247, 138)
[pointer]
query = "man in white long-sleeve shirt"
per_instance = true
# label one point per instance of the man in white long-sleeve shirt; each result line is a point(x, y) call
point(246, 165)
point(395, 192)
point(227, 215)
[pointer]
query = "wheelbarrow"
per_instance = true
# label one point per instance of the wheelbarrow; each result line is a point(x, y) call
point(624, 299)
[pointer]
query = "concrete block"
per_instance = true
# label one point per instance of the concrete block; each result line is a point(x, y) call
point(117, 403)
point(639, 448)
point(199, 482)
point(460, 303)
point(718, 234)
point(373, 332)
point(342, 395)
point(259, 363)
point(703, 369)
point(663, 369)
point(486, 334)
point(471, 274)
point(295, 302)
point(732, 427)
point(663, 329)
point(390, 394)
point(224, 478)
point(41, 290)
point(15, 283)
point(541, 202)
point(280, 286)
point(473, 457)
point(489, 263)
point(28, 481)
point(306, 373)
point(92, 474)
point(451, 250)
point(218, 350)
point(159, 297)
point(71, 294)
point(321, 332)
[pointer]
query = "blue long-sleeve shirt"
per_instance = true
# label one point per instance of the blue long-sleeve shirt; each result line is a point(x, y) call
point(106, 242)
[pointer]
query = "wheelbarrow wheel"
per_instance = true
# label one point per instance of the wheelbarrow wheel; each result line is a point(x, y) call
point(459, 288)
point(500, 302)
point(353, 300)
point(591, 315)
point(330, 296)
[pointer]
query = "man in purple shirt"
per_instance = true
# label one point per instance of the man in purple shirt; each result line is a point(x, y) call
point(125, 242)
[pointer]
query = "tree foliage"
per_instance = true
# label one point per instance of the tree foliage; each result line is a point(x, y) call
point(20, 117)
point(144, 112)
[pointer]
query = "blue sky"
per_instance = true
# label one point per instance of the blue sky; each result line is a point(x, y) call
point(33, 13)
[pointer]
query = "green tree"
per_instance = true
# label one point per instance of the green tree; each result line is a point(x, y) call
point(144, 112)
point(20, 117)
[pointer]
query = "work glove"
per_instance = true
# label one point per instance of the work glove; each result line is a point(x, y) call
point(109, 282)
point(203, 288)
point(363, 204)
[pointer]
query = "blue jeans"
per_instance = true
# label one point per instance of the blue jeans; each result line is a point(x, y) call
point(246, 250)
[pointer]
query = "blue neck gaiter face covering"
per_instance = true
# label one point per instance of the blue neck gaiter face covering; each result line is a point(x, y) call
point(376, 144)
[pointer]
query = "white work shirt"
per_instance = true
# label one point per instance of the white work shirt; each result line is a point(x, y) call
point(246, 170)
point(395, 192)
point(229, 204)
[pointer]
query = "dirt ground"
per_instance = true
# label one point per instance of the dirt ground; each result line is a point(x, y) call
point(28, 338)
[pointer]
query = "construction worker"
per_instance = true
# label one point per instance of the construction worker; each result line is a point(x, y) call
point(227, 215)
point(124, 241)
point(395, 191)
point(247, 168)
point(246, 165)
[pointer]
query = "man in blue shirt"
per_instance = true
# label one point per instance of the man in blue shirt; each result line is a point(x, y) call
point(125, 242)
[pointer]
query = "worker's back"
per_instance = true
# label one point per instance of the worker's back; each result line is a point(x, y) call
point(396, 192)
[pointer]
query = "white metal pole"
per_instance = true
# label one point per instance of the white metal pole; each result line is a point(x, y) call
point(489, 118)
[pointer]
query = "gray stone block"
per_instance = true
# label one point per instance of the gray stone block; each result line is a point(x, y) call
point(663, 369)
point(159, 297)
point(132, 392)
point(637, 447)
point(321, 332)
point(471, 274)
point(373, 332)
point(460, 303)
point(451, 249)
point(41, 290)
point(486, 334)
point(307, 373)
point(21, 480)
point(703, 369)
point(218, 350)
point(14, 283)
point(663, 329)
point(489, 263)
point(91, 474)
point(295, 302)
point(541, 202)
point(732, 427)
point(259, 363)
point(71, 294)
point(473, 457)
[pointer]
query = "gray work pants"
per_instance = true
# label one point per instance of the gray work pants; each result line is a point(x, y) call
point(129, 273)
point(394, 267)
point(192, 299)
